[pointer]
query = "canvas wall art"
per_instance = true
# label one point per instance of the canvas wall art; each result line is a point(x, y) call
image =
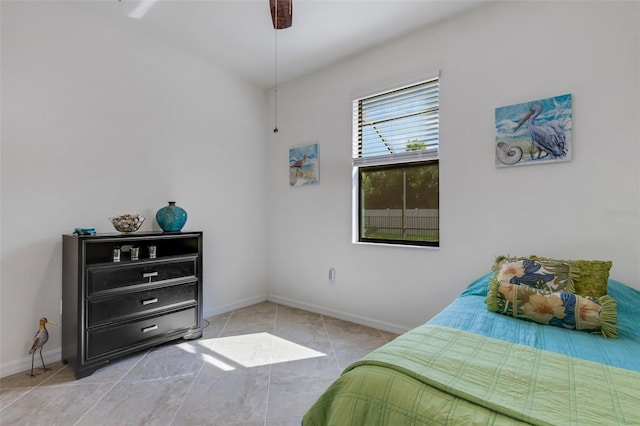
point(304, 165)
point(534, 132)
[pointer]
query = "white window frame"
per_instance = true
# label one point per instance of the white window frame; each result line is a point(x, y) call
point(398, 158)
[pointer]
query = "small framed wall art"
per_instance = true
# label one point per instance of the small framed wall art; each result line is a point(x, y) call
point(304, 165)
point(534, 132)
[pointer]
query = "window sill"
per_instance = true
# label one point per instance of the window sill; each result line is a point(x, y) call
point(366, 243)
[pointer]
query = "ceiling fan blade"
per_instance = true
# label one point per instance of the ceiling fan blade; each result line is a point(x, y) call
point(283, 9)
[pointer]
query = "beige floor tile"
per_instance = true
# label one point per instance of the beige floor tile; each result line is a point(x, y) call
point(214, 325)
point(238, 396)
point(388, 335)
point(285, 352)
point(259, 326)
point(218, 319)
point(261, 312)
point(349, 351)
point(110, 373)
point(362, 346)
point(293, 397)
point(339, 329)
point(53, 405)
point(302, 331)
point(295, 421)
point(7, 396)
point(263, 365)
point(320, 368)
point(153, 402)
point(286, 314)
point(246, 350)
point(173, 360)
point(23, 379)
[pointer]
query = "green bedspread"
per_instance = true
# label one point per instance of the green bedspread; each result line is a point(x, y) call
point(440, 375)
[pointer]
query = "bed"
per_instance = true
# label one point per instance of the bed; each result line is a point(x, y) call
point(471, 366)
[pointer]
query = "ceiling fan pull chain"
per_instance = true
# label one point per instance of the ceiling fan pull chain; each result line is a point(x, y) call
point(275, 90)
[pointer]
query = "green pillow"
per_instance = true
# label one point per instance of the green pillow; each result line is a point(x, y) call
point(560, 309)
point(593, 276)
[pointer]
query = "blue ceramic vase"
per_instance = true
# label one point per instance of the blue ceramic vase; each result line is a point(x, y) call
point(171, 218)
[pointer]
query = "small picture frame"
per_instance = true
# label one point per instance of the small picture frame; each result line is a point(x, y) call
point(304, 165)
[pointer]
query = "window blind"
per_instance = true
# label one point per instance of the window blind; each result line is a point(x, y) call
point(398, 126)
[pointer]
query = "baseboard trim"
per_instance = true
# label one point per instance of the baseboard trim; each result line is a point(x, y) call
point(223, 309)
point(24, 363)
point(369, 322)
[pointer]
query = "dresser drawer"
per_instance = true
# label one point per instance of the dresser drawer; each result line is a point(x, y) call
point(110, 339)
point(113, 277)
point(105, 310)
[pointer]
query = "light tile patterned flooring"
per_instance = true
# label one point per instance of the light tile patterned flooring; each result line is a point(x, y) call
point(261, 365)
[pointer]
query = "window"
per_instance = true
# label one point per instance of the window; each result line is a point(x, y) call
point(396, 172)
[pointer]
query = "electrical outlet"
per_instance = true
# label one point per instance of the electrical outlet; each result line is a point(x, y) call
point(332, 274)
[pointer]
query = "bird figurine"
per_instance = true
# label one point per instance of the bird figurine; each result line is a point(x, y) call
point(41, 337)
point(547, 139)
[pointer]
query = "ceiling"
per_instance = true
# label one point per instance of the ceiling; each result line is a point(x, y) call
point(238, 36)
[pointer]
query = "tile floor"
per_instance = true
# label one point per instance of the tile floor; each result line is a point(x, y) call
point(261, 365)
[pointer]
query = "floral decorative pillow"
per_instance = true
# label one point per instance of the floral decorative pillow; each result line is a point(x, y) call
point(544, 274)
point(583, 277)
point(560, 309)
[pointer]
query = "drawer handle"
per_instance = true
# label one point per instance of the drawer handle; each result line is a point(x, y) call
point(149, 301)
point(150, 328)
point(150, 275)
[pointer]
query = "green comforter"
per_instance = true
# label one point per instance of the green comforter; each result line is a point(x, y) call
point(443, 376)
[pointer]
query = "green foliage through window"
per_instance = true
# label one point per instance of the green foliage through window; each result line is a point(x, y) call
point(396, 145)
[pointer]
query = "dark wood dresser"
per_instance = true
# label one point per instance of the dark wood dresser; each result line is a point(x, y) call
point(113, 308)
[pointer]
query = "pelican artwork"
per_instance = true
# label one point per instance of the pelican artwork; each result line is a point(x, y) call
point(534, 132)
point(41, 337)
point(546, 138)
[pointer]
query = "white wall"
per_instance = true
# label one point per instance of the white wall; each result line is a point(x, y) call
point(498, 55)
point(98, 120)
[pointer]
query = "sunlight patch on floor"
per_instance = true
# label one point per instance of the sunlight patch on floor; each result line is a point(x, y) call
point(142, 9)
point(253, 350)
